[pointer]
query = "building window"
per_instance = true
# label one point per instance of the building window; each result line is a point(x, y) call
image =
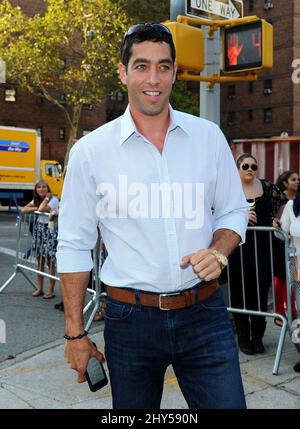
point(268, 4)
point(62, 133)
point(268, 116)
point(63, 99)
point(39, 99)
point(250, 115)
point(120, 96)
point(88, 107)
point(10, 95)
point(40, 132)
point(268, 86)
point(231, 119)
point(231, 92)
point(116, 96)
point(250, 87)
point(251, 5)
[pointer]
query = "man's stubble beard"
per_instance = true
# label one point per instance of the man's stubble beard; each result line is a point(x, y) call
point(153, 110)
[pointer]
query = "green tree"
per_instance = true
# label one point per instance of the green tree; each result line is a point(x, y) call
point(183, 98)
point(71, 49)
point(145, 11)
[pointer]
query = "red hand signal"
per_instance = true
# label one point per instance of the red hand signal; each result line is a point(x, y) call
point(233, 50)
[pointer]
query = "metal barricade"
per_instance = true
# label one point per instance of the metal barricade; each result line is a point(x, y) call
point(35, 253)
point(95, 284)
point(265, 237)
point(32, 254)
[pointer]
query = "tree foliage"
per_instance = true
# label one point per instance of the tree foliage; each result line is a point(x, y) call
point(72, 49)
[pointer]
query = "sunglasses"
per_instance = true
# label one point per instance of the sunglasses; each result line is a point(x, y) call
point(253, 167)
point(147, 26)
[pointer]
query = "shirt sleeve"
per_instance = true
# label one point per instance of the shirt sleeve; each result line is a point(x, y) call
point(53, 203)
point(230, 205)
point(77, 220)
point(286, 217)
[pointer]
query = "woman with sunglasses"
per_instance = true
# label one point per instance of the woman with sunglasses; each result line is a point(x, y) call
point(264, 200)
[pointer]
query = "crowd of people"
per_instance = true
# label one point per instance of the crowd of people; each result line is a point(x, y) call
point(250, 273)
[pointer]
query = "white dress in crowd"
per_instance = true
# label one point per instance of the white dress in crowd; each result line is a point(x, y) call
point(291, 225)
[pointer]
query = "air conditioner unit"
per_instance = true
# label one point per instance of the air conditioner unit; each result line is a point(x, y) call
point(268, 91)
point(268, 5)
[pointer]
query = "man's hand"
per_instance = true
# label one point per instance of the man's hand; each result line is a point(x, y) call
point(78, 353)
point(204, 264)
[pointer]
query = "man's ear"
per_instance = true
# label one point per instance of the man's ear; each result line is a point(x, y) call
point(122, 73)
point(175, 73)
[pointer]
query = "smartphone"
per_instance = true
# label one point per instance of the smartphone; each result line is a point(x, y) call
point(95, 375)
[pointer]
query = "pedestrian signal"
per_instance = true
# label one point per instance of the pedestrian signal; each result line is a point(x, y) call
point(189, 45)
point(248, 47)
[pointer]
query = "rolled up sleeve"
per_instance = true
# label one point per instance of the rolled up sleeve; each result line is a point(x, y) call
point(77, 221)
point(230, 205)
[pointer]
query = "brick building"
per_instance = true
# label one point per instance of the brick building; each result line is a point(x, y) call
point(263, 108)
point(271, 105)
point(21, 109)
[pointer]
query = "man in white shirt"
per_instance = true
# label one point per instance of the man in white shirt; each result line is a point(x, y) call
point(163, 188)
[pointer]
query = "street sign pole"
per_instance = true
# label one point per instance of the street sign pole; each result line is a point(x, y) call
point(210, 105)
point(2, 71)
point(209, 97)
point(177, 7)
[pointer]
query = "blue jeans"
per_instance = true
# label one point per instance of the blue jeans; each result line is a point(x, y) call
point(141, 342)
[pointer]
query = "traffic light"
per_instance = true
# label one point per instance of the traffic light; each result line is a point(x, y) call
point(189, 45)
point(247, 47)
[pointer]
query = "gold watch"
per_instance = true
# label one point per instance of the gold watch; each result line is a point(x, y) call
point(222, 259)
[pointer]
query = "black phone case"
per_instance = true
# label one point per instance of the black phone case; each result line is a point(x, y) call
point(97, 386)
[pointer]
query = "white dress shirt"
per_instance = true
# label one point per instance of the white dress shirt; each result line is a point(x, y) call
point(291, 225)
point(112, 173)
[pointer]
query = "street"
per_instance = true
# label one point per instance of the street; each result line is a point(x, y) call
point(30, 322)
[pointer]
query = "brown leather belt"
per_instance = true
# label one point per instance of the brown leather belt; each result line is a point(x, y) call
point(170, 301)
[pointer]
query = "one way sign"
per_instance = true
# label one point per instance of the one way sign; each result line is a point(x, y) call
point(215, 9)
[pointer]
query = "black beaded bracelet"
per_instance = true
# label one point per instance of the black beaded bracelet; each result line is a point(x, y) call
point(67, 337)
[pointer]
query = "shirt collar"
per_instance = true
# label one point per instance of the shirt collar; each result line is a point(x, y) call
point(177, 121)
point(128, 127)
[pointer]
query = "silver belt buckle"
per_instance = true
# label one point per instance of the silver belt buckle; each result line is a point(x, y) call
point(166, 294)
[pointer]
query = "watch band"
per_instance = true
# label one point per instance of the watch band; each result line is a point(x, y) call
point(221, 258)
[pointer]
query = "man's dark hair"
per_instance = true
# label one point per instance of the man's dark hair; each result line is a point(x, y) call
point(145, 32)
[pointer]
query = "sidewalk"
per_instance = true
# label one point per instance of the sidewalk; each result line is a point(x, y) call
point(41, 379)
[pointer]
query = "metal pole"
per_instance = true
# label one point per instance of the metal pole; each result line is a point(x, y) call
point(177, 7)
point(210, 97)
